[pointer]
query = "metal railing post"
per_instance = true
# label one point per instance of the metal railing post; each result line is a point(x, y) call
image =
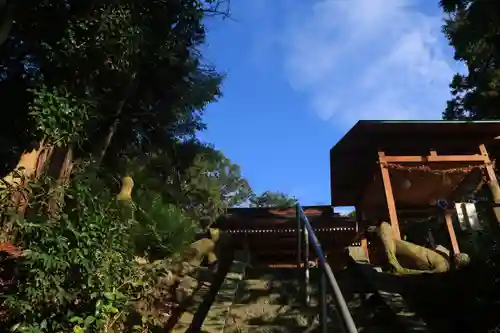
point(327, 277)
point(340, 303)
point(299, 236)
point(323, 315)
point(306, 267)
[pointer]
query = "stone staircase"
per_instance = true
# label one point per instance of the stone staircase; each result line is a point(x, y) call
point(269, 300)
point(258, 300)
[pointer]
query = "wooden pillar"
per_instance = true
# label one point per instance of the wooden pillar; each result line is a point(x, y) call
point(361, 220)
point(493, 182)
point(451, 232)
point(389, 196)
point(364, 246)
point(430, 236)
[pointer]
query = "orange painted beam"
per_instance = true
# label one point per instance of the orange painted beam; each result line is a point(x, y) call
point(433, 158)
point(389, 195)
point(451, 231)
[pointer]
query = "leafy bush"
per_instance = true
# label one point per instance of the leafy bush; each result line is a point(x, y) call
point(60, 117)
point(78, 272)
point(162, 229)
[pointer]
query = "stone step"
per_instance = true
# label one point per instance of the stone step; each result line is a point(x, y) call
point(268, 329)
point(387, 289)
point(270, 300)
point(215, 320)
point(266, 301)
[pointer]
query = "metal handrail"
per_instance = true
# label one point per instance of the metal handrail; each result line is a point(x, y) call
point(327, 277)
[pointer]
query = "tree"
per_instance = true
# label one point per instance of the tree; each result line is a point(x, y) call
point(5, 20)
point(211, 184)
point(472, 29)
point(123, 83)
point(194, 176)
point(272, 199)
point(112, 78)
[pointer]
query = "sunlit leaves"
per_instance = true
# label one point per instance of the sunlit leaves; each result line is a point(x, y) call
point(473, 29)
point(60, 116)
point(272, 199)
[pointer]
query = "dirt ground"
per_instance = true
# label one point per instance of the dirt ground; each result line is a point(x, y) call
point(270, 301)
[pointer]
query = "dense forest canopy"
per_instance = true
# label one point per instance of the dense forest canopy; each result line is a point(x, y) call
point(113, 78)
point(123, 86)
point(272, 199)
point(472, 28)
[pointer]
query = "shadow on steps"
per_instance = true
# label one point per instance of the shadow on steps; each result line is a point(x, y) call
point(450, 302)
point(196, 308)
point(271, 300)
point(267, 301)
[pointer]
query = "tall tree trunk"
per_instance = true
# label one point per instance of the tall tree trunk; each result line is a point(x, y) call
point(5, 20)
point(103, 148)
point(60, 169)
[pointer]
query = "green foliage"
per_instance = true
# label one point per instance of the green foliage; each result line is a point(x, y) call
point(124, 83)
point(193, 176)
point(5, 20)
point(472, 27)
point(214, 176)
point(60, 117)
point(127, 74)
point(272, 199)
point(162, 228)
point(79, 271)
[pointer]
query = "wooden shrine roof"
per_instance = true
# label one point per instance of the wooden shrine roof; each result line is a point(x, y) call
point(421, 189)
point(279, 219)
point(272, 232)
point(353, 159)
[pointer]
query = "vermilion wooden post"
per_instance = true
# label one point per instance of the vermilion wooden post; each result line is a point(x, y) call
point(360, 219)
point(451, 231)
point(493, 182)
point(389, 196)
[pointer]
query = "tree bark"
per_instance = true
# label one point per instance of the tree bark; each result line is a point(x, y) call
point(5, 20)
point(60, 168)
point(101, 151)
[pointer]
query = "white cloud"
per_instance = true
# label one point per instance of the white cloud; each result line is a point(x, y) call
point(368, 59)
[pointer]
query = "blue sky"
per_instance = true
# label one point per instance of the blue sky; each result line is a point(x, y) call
point(300, 73)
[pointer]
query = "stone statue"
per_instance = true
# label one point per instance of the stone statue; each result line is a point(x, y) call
point(405, 258)
point(126, 189)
